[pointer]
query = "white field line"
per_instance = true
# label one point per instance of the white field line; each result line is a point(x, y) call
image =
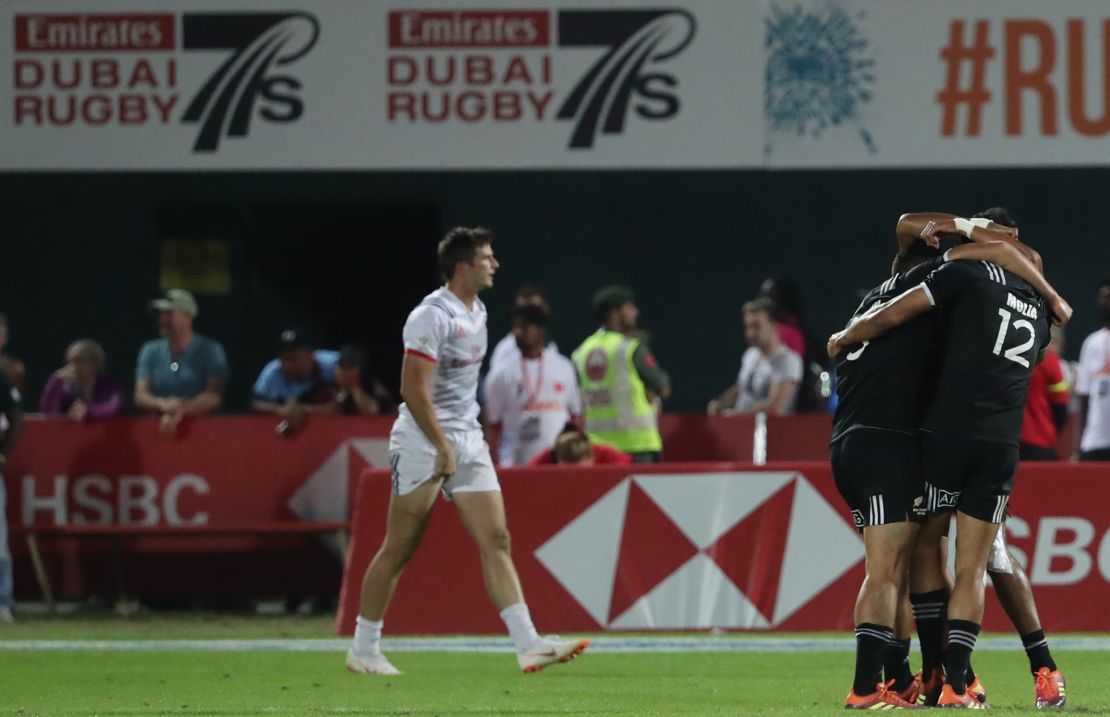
point(501, 644)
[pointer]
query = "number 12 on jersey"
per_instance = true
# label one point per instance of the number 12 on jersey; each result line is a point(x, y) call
point(1014, 354)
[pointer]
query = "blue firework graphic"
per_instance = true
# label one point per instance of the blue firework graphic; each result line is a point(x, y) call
point(819, 71)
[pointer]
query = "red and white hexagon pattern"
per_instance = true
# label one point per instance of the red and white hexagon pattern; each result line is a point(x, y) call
point(681, 551)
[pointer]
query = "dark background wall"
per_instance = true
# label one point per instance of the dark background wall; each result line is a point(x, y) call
point(347, 254)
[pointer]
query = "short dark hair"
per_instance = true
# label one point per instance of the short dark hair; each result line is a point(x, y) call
point(529, 290)
point(530, 315)
point(461, 244)
point(998, 215)
point(911, 256)
point(761, 304)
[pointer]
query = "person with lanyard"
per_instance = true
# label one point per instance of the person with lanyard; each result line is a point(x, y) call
point(531, 399)
point(621, 380)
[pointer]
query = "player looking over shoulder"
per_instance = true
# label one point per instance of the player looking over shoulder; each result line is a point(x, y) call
point(437, 445)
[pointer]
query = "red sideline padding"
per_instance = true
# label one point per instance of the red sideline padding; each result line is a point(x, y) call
point(694, 546)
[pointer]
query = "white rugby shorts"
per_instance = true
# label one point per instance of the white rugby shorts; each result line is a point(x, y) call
point(412, 458)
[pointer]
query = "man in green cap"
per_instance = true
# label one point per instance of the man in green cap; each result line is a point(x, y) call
point(621, 380)
point(182, 373)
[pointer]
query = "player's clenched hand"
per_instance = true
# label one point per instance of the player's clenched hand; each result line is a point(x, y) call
point(445, 462)
point(933, 228)
point(834, 344)
point(1061, 310)
point(1011, 232)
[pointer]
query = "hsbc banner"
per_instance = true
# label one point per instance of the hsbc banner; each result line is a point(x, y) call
point(699, 546)
point(216, 471)
point(208, 84)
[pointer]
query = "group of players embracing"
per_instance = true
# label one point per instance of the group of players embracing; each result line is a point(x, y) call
point(934, 370)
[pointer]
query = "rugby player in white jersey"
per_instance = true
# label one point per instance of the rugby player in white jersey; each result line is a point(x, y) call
point(437, 444)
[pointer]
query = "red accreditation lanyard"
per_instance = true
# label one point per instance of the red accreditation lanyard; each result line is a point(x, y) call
point(533, 394)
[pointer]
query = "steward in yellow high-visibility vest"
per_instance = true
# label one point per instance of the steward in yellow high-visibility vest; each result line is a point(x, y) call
point(620, 380)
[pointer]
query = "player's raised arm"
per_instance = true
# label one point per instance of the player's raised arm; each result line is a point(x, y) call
point(930, 226)
point(881, 318)
point(1008, 257)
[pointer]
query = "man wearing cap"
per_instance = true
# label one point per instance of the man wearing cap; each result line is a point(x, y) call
point(299, 382)
point(182, 373)
point(621, 380)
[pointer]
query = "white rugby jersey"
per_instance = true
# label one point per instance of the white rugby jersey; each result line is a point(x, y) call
point(532, 399)
point(443, 330)
point(1094, 382)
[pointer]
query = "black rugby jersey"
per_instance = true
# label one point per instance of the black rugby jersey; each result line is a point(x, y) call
point(995, 326)
point(879, 381)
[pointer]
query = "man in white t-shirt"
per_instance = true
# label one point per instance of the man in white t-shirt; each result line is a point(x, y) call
point(770, 372)
point(1093, 386)
point(531, 399)
point(506, 350)
point(436, 444)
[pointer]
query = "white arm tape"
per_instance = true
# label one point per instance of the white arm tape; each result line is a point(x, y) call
point(964, 226)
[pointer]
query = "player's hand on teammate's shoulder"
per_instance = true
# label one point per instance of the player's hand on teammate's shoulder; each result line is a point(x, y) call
point(834, 345)
point(1061, 310)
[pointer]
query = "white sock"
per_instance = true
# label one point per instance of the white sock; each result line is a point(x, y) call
point(521, 629)
point(368, 636)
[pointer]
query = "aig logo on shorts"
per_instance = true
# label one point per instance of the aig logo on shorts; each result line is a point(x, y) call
point(941, 499)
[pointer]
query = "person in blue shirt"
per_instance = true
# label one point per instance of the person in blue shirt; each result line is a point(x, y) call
point(182, 373)
point(299, 382)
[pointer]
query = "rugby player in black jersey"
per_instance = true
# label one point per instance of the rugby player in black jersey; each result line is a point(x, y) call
point(874, 445)
point(996, 322)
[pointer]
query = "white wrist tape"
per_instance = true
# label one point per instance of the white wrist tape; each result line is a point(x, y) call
point(981, 222)
point(964, 226)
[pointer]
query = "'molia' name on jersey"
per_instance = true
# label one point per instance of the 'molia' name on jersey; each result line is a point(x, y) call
point(1026, 310)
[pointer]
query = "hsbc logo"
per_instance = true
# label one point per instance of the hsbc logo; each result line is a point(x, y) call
point(681, 551)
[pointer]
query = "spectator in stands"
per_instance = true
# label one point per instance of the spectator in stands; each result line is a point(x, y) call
point(621, 382)
point(573, 447)
point(1046, 411)
point(299, 382)
point(183, 373)
point(786, 302)
point(532, 398)
point(1093, 387)
point(13, 420)
point(359, 392)
point(81, 389)
point(10, 366)
point(506, 349)
point(769, 370)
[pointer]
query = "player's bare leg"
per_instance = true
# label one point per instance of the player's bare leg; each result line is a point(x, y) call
point(965, 607)
point(483, 514)
point(1015, 594)
point(406, 520)
point(888, 549)
point(896, 663)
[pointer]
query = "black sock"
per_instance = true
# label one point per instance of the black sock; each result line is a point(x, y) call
point(961, 641)
point(871, 643)
point(929, 611)
point(1036, 647)
point(970, 674)
point(896, 664)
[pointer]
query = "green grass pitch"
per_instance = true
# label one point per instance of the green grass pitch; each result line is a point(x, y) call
point(98, 682)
